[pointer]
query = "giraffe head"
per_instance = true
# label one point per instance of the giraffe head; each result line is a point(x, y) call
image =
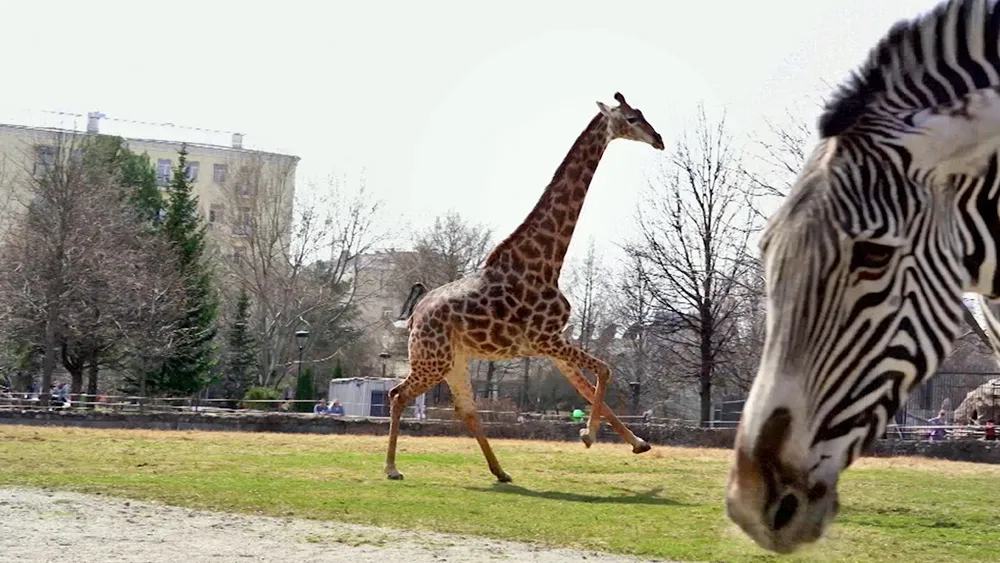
point(627, 122)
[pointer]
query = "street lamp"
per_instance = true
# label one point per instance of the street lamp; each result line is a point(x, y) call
point(301, 337)
point(383, 355)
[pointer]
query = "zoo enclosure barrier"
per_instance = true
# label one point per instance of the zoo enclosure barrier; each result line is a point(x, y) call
point(137, 404)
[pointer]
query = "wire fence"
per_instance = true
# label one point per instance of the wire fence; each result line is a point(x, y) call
point(137, 404)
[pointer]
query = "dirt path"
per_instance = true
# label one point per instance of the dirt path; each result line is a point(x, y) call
point(42, 526)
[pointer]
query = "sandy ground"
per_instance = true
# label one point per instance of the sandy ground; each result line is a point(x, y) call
point(42, 526)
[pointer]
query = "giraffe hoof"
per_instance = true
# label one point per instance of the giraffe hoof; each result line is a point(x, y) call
point(504, 477)
point(395, 476)
point(642, 446)
point(585, 438)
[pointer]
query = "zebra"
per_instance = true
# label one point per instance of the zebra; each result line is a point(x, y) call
point(893, 216)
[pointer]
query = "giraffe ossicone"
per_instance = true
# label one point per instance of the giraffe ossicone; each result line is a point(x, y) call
point(513, 307)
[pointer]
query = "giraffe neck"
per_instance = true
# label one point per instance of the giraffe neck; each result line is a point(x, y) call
point(540, 242)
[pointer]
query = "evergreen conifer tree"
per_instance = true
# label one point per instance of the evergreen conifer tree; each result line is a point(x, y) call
point(189, 369)
point(242, 357)
point(304, 392)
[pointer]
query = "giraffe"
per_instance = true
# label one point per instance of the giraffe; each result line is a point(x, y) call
point(512, 306)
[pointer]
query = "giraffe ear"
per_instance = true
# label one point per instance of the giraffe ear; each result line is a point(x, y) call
point(604, 109)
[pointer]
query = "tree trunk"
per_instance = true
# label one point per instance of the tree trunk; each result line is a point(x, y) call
point(142, 387)
point(490, 369)
point(49, 359)
point(705, 377)
point(92, 372)
point(75, 383)
point(74, 365)
point(706, 396)
point(524, 384)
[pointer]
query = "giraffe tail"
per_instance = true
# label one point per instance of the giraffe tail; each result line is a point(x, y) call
point(416, 292)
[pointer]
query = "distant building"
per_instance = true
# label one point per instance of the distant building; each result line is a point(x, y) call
point(379, 298)
point(26, 150)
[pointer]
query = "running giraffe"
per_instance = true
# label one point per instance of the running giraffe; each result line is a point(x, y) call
point(513, 307)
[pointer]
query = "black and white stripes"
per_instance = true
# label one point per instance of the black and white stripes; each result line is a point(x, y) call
point(894, 216)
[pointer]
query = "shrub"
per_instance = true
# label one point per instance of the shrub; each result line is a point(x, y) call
point(261, 394)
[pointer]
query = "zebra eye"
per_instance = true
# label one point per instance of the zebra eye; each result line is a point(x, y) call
point(871, 255)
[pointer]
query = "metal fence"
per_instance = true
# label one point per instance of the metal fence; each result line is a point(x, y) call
point(137, 404)
point(946, 391)
point(911, 422)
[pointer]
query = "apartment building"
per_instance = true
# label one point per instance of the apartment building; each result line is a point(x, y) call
point(232, 183)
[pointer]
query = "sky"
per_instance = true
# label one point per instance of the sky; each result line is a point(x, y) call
point(441, 105)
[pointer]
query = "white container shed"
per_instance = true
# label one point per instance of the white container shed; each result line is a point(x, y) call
point(369, 396)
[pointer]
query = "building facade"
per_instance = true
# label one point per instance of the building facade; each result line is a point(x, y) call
point(229, 181)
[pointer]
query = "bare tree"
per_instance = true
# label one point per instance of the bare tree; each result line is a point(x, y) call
point(295, 255)
point(742, 356)
point(589, 289)
point(80, 278)
point(694, 229)
point(781, 153)
point(641, 360)
point(446, 251)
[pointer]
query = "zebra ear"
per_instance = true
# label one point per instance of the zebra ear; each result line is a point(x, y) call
point(959, 137)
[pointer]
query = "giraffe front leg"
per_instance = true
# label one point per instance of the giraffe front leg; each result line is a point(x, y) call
point(465, 408)
point(589, 434)
point(397, 403)
point(570, 360)
point(582, 360)
point(586, 388)
point(399, 397)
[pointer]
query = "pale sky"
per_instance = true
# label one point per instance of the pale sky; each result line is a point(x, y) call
point(444, 104)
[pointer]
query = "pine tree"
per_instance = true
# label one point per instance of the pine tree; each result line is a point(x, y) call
point(242, 357)
point(138, 173)
point(189, 369)
point(338, 372)
point(304, 392)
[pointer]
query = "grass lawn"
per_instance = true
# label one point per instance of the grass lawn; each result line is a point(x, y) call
point(666, 503)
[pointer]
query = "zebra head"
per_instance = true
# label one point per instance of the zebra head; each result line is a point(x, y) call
point(893, 216)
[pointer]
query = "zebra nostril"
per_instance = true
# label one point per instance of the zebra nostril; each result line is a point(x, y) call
point(786, 511)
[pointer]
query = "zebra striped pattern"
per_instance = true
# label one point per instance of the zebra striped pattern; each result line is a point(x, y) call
point(894, 215)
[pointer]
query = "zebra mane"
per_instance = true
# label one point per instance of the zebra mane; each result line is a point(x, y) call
point(914, 65)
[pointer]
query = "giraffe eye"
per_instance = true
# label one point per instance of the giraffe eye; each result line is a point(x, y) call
point(632, 119)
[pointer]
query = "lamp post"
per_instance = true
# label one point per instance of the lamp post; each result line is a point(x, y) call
point(301, 338)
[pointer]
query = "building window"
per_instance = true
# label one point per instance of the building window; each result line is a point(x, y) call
point(215, 214)
point(244, 190)
point(244, 222)
point(239, 256)
point(219, 172)
point(192, 171)
point(46, 161)
point(163, 171)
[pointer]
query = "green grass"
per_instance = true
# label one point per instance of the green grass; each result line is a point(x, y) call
point(666, 503)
